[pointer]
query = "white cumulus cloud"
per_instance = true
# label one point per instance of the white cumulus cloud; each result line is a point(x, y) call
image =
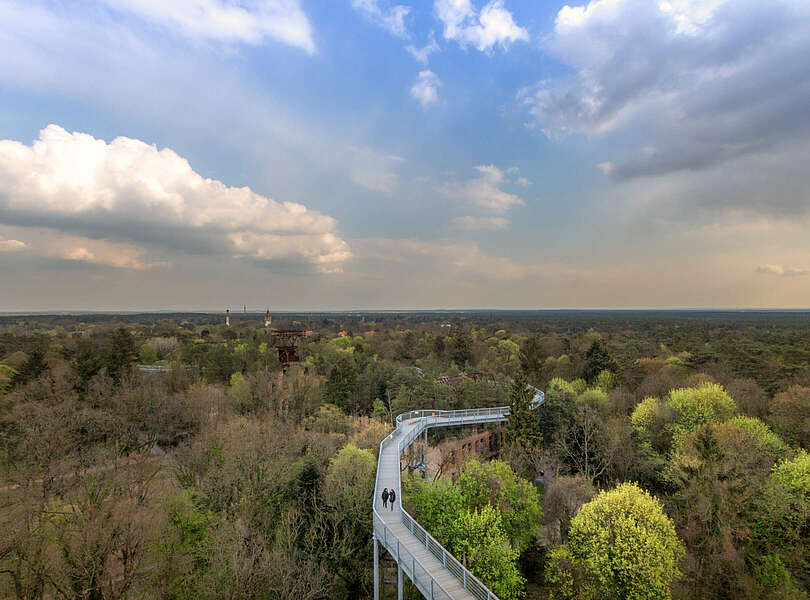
point(250, 21)
point(425, 90)
point(379, 12)
point(484, 191)
point(130, 191)
point(492, 26)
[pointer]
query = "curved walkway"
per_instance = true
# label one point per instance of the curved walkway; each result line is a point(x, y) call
point(437, 574)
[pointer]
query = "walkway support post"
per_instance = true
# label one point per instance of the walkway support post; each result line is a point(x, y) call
point(399, 581)
point(425, 450)
point(376, 569)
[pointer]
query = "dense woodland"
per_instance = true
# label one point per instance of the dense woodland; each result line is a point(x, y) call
point(670, 458)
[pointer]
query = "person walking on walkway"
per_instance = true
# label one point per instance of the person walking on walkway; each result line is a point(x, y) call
point(385, 496)
point(391, 498)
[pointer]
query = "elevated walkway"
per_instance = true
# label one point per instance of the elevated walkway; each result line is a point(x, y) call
point(434, 571)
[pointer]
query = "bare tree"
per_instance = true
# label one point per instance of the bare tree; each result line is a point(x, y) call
point(583, 445)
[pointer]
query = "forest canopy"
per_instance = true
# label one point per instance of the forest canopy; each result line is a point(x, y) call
point(171, 456)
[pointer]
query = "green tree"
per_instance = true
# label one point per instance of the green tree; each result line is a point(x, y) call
point(522, 427)
point(483, 546)
point(685, 410)
point(508, 354)
point(7, 374)
point(437, 505)
point(784, 526)
point(598, 359)
point(461, 348)
point(790, 415)
point(621, 545)
point(218, 363)
point(718, 473)
point(348, 490)
point(341, 385)
point(87, 362)
point(147, 354)
point(516, 500)
point(474, 535)
point(31, 369)
point(120, 353)
point(532, 354)
point(349, 482)
point(557, 411)
point(240, 393)
point(584, 444)
point(697, 406)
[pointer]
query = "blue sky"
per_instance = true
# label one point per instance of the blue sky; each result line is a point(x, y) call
point(198, 154)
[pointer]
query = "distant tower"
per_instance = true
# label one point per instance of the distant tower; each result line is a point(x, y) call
point(267, 318)
point(227, 317)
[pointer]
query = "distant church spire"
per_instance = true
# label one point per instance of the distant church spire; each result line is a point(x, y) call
point(267, 318)
point(227, 317)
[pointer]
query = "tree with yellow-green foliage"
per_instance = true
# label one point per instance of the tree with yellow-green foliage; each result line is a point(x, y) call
point(697, 406)
point(486, 519)
point(784, 527)
point(718, 474)
point(495, 483)
point(621, 545)
point(657, 422)
point(483, 546)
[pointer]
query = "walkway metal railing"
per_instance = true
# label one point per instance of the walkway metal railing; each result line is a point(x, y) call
point(411, 565)
point(446, 418)
point(426, 583)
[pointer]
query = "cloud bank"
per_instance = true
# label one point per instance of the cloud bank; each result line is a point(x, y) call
point(700, 82)
point(130, 191)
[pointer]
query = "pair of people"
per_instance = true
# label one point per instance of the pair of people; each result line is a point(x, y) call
point(389, 497)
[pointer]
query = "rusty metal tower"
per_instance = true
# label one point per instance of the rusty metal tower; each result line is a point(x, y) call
point(286, 343)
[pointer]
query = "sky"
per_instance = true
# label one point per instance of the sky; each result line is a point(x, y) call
point(376, 154)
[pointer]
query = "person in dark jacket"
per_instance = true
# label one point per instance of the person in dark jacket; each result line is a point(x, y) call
point(391, 498)
point(385, 495)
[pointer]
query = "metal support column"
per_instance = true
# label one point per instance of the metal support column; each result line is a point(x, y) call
point(425, 457)
point(376, 569)
point(399, 581)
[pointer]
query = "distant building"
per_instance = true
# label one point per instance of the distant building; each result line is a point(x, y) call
point(343, 333)
point(268, 320)
point(227, 317)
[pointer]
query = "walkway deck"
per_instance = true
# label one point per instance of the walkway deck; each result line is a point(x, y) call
point(437, 574)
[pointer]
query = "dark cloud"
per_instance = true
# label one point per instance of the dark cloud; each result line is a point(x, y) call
point(700, 84)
